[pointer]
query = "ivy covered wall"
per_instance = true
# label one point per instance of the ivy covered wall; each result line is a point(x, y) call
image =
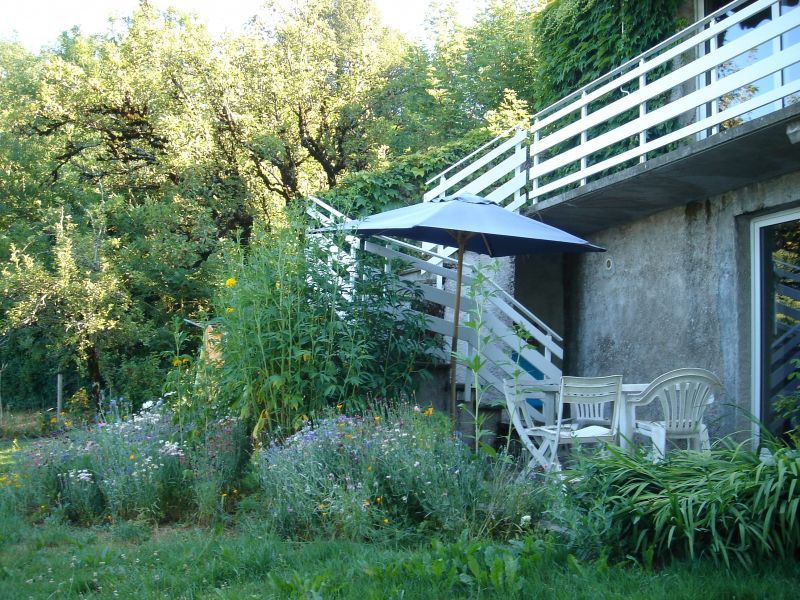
point(580, 40)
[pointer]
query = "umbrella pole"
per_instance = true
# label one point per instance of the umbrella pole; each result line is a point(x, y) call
point(456, 313)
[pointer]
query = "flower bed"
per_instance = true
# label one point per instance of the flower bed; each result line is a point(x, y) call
point(134, 467)
point(404, 471)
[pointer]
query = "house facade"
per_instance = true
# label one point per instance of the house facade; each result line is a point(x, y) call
point(685, 164)
point(703, 233)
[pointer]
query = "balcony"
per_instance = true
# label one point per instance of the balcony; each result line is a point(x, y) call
point(705, 111)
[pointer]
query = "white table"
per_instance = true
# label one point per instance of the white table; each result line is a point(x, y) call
point(627, 412)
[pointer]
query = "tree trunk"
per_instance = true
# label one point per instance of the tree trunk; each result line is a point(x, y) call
point(93, 366)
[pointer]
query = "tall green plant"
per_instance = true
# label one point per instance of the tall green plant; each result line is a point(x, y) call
point(301, 330)
point(480, 294)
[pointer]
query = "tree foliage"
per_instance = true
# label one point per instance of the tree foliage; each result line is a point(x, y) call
point(132, 159)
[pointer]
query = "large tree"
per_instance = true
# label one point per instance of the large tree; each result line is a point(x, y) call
point(326, 59)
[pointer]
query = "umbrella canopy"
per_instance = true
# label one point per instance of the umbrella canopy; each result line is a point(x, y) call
point(496, 231)
point(473, 224)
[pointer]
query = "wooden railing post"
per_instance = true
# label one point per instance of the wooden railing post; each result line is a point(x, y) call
point(584, 138)
point(534, 181)
point(642, 113)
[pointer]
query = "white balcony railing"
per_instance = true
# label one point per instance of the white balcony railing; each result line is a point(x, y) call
point(740, 62)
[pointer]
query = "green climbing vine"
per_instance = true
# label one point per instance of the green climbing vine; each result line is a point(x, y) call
point(580, 40)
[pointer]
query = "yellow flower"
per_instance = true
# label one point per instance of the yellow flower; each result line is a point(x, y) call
point(176, 362)
point(339, 406)
point(369, 469)
point(229, 310)
point(62, 413)
point(348, 436)
point(306, 356)
point(377, 418)
point(322, 507)
point(378, 500)
point(386, 521)
point(223, 494)
point(132, 457)
point(230, 282)
point(428, 411)
point(53, 420)
point(67, 423)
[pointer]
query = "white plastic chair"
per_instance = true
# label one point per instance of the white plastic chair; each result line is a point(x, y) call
point(684, 395)
point(594, 417)
point(535, 406)
point(527, 408)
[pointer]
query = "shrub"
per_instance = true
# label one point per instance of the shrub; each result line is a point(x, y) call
point(295, 337)
point(725, 503)
point(401, 472)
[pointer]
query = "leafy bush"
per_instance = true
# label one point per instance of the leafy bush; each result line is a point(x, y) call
point(402, 472)
point(725, 503)
point(299, 332)
point(403, 181)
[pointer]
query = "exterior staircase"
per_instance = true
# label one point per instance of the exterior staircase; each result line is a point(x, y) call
point(696, 84)
point(513, 341)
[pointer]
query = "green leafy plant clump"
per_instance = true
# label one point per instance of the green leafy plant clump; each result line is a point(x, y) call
point(579, 41)
point(299, 331)
point(727, 504)
point(401, 182)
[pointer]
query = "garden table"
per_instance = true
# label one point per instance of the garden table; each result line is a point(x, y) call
point(627, 413)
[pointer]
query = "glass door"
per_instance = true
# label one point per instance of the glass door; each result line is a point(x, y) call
point(778, 319)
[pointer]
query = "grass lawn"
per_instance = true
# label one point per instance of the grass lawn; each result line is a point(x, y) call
point(19, 424)
point(131, 560)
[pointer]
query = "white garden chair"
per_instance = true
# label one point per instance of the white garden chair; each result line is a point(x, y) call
point(684, 395)
point(535, 407)
point(594, 417)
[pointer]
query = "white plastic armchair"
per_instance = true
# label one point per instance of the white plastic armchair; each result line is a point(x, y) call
point(594, 417)
point(684, 395)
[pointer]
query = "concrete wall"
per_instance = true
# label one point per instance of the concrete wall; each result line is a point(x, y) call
point(672, 291)
point(539, 285)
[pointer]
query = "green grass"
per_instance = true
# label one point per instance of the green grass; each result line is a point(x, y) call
point(130, 560)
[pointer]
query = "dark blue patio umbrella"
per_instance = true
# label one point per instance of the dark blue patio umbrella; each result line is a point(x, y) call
point(469, 223)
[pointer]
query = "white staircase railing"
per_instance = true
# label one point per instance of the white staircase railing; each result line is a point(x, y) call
point(520, 344)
